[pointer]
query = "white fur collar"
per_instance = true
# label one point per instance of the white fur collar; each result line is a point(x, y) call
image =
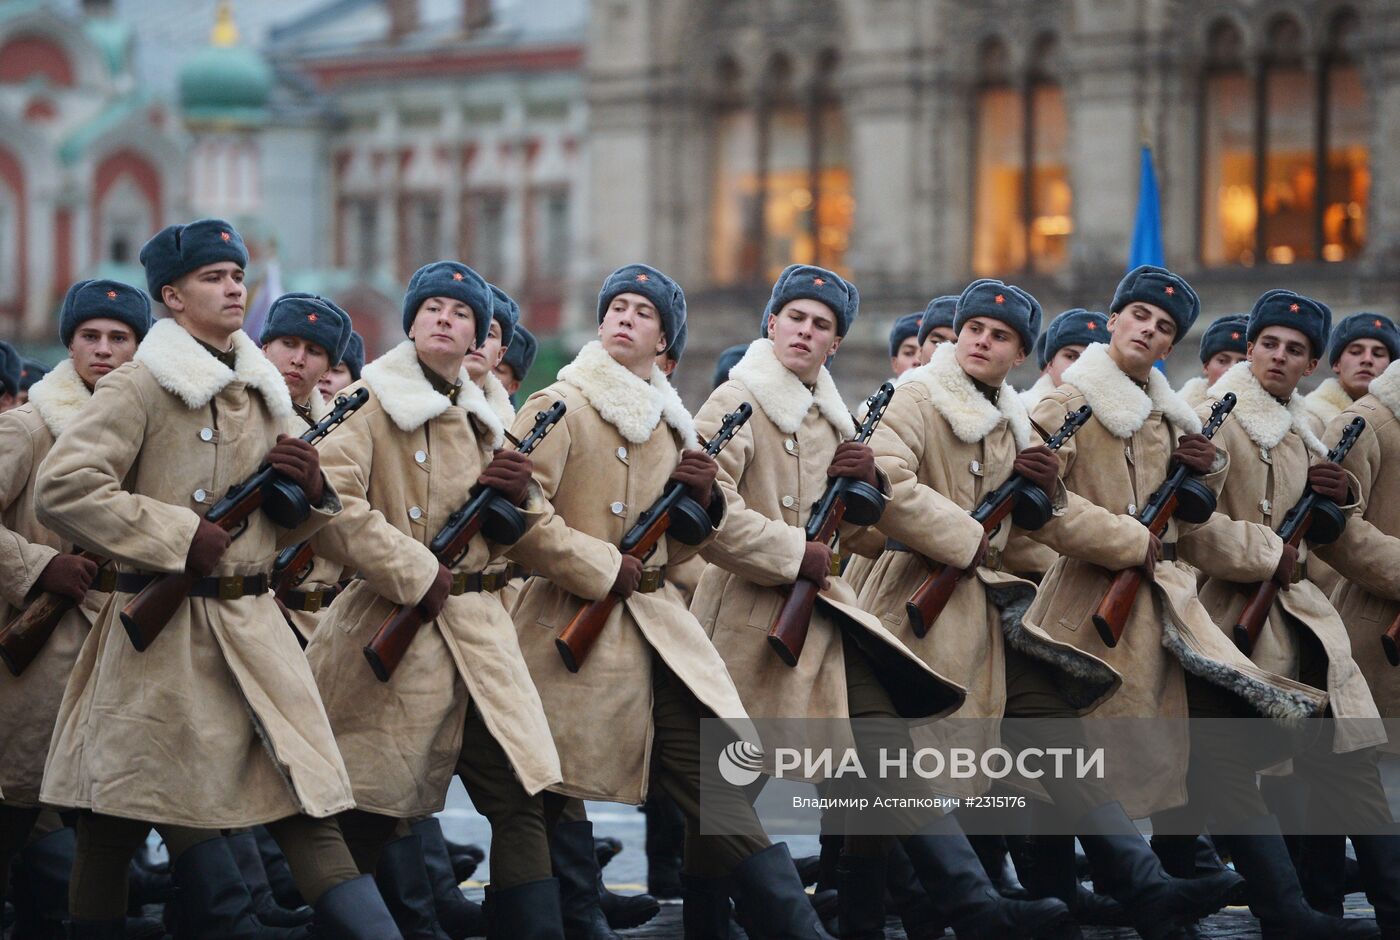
point(1265, 420)
point(783, 396)
point(1386, 387)
point(1195, 391)
point(1031, 397)
point(629, 403)
point(1119, 404)
point(1328, 400)
point(186, 370)
point(59, 396)
point(410, 400)
point(967, 411)
point(498, 398)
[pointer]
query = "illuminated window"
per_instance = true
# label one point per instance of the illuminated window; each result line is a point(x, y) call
point(1023, 204)
point(783, 192)
point(1266, 131)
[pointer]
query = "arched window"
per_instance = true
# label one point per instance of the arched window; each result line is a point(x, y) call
point(1284, 161)
point(1023, 204)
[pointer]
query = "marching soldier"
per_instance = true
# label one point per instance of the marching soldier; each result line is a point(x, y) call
point(936, 325)
point(9, 376)
point(632, 712)
point(305, 336)
point(515, 365)
point(904, 343)
point(218, 722)
point(1059, 346)
point(101, 323)
point(347, 370)
point(725, 362)
point(30, 371)
point(461, 699)
point(1273, 456)
point(1363, 346)
point(1222, 345)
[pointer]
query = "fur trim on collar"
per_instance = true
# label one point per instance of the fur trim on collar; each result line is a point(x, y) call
point(624, 400)
point(1119, 404)
point(1031, 397)
point(782, 395)
point(186, 370)
point(1195, 392)
point(59, 396)
point(1260, 414)
point(1328, 400)
point(498, 398)
point(1386, 387)
point(410, 400)
point(967, 411)
point(318, 405)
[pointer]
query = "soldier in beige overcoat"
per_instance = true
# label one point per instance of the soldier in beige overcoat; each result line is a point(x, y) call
point(218, 722)
point(101, 322)
point(1222, 345)
point(1273, 456)
point(461, 700)
point(632, 713)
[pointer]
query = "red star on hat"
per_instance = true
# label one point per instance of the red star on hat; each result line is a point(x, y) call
point(456, 275)
point(1292, 308)
point(1092, 326)
point(818, 281)
point(1235, 335)
point(1000, 298)
point(225, 236)
point(311, 317)
point(1378, 324)
point(643, 277)
point(112, 295)
point(1170, 290)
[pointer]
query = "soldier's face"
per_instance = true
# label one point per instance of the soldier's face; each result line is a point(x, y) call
point(988, 349)
point(1359, 363)
point(301, 362)
point(334, 380)
point(631, 331)
point(1064, 357)
point(1219, 364)
point(507, 376)
point(444, 330)
point(804, 335)
point(209, 302)
point(936, 337)
point(1280, 357)
point(906, 356)
point(1140, 334)
point(99, 346)
point(487, 356)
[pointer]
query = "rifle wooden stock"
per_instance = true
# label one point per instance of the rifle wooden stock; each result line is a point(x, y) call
point(390, 642)
point(1390, 641)
point(788, 634)
point(1253, 616)
point(23, 637)
point(929, 598)
point(1111, 616)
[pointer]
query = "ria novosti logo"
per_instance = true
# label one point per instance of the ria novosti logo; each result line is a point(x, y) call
point(741, 763)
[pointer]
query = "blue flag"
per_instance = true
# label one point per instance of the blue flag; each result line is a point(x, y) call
point(1147, 230)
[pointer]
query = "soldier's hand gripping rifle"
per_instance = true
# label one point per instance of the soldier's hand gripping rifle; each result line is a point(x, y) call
point(674, 513)
point(844, 498)
point(1182, 496)
point(23, 637)
point(146, 614)
point(488, 512)
point(1019, 498)
point(1315, 518)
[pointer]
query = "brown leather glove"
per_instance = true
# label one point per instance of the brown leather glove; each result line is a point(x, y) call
point(68, 575)
point(1039, 465)
point(629, 575)
point(299, 462)
point(206, 548)
point(816, 564)
point(432, 602)
point(1195, 451)
point(1154, 552)
point(1287, 570)
point(1329, 480)
point(509, 474)
point(853, 461)
point(697, 471)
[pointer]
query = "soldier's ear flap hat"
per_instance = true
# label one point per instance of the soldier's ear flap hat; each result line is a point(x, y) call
point(176, 250)
point(506, 312)
point(726, 361)
point(656, 286)
point(1365, 326)
point(940, 312)
point(354, 357)
point(1228, 334)
point(809, 282)
point(906, 327)
point(1008, 303)
point(103, 300)
point(1074, 327)
point(1150, 284)
point(521, 354)
point(1279, 307)
point(454, 280)
point(311, 317)
point(31, 371)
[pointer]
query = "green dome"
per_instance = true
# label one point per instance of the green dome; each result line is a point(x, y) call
point(230, 83)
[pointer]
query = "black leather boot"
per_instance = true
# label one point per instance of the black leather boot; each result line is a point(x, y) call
point(213, 901)
point(97, 929)
point(403, 881)
point(772, 900)
point(826, 861)
point(465, 857)
point(353, 910)
point(705, 910)
point(1321, 865)
point(625, 911)
point(279, 873)
point(40, 874)
point(576, 867)
point(996, 861)
point(1126, 866)
point(907, 900)
point(861, 906)
point(960, 890)
point(1050, 872)
point(244, 846)
point(527, 912)
point(459, 916)
point(665, 836)
point(1378, 856)
point(1275, 896)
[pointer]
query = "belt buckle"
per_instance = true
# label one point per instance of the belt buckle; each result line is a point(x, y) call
point(1300, 570)
point(459, 584)
point(231, 587)
point(106, 581)
point(993, 559)
point(312, 602)
point(651, 580)
point(835, 564)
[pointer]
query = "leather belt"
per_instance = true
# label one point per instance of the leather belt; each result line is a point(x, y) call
point(312, 601)
point(653, 579)
point(105, 582)
point(1168, 552)
point(225, 589)
point(992, 562)
point(473, 583)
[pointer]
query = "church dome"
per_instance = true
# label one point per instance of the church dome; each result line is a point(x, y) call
point(227, 81)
